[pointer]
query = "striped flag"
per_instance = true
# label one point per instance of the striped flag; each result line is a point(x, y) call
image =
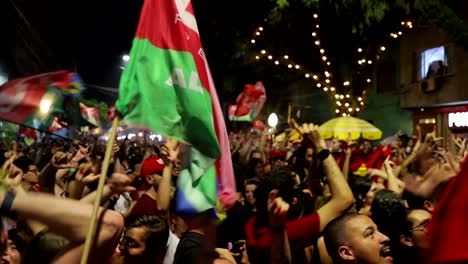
point(167, 87)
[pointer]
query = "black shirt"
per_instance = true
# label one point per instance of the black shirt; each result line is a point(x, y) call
point(194, 248)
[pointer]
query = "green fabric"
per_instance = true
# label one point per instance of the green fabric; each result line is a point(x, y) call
point(160, 90)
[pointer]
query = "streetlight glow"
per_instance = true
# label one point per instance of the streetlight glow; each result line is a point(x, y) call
point(272, 120)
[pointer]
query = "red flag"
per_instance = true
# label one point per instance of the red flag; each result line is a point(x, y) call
point(251, 100)
point(91, 114)
point(448, 228)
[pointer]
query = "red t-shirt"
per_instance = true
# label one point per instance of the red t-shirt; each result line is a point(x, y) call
point(144, 205)
point(302, 232)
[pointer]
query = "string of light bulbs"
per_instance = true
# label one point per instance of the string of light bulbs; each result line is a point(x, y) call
point(344, 104)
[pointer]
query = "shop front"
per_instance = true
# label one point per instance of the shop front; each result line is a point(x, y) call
point(446, 120)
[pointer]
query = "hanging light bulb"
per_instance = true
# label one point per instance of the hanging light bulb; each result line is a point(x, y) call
point(258, 33)
point(347, 96)
point(315, 77)
point(346, 104)
point(368, 80)
point(327, 81)
point(307, 75)
point(319, 85)
point(317, 42)
point(263, 51)
point(359, 50)
point(338, 103)
point(297, 67)
point(276, 62)
point(270, 57)
point(346, 83)
point(290, 66)
point(336, 96)
point(362, 103)
point(332, 89)
point(260, 28)
point(328, 63)
point(324, 58)
point(253, 41)
point(343, 114)
point(314, 34)
point(322, 51)
point(325, 89)
point(369, 62)
point(286, 57)
point(257, 57)
point(359, 62)
point(317, 26)
point(350, 109)
point(382, 48)
point(337, 111)
point(400, 33)
point(357, 109)
point(327, 73)
point(315, 15)
point(359, 99)
point(341, 96)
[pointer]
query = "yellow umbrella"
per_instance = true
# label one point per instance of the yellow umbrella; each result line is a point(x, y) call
point(340, 128)
point(294, 136)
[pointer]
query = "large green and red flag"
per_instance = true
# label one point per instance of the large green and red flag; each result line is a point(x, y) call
point(167, 87)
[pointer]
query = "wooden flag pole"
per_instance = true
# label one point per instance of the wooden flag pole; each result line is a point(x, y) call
point(97, 202)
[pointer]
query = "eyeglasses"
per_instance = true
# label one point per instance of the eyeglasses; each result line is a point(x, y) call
point(421, 227)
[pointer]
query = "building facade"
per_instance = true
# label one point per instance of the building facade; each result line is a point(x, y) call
point(434, 81)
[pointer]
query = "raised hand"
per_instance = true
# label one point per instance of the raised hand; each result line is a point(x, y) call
point(120, 183)
point(277, 209)
point(170, 150)
point(311, 135)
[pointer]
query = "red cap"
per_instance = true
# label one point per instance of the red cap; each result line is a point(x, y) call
point(277, 154)
point(152, 165)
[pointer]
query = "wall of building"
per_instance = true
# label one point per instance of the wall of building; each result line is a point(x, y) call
point(383, 110)
point(453, 85)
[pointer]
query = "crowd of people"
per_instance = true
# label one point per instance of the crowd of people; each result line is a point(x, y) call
point(301, 200)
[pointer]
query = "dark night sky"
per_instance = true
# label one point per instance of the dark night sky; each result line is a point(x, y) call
point(91, 36)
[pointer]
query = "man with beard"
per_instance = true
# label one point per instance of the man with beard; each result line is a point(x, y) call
point(354, 238)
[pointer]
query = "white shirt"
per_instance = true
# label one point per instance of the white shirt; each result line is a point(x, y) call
point(172, 242)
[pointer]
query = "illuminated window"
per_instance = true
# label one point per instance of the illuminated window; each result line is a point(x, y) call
point(433, 62)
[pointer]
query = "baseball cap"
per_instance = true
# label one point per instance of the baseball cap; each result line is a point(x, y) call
point(152, 165)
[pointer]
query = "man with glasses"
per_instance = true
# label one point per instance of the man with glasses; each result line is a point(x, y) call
point(415, 241)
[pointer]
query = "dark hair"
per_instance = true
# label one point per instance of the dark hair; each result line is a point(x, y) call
point(334, 234)
point(239, 176)
point(253, 163)
point(23, 163)
point(255, 151)
point(157, 233)
point(389, 214)
point(256, 181)
point(414, 201)
point(279, 179)
point(20, 238)
point(360, 186)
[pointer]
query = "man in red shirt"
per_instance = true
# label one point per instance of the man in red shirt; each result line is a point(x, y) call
point(158, 174)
